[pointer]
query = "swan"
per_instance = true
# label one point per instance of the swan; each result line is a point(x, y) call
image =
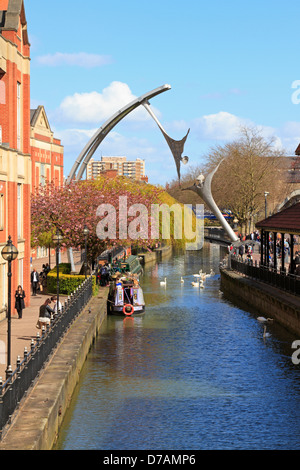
point(202, 284)
point(181, 280)
point(199, 274)
point(195, 284)
point(264, 320)
point(163, 283)
point(211, 274)
point(266, 335)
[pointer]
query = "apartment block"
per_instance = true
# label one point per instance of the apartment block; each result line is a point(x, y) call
point(117, 166)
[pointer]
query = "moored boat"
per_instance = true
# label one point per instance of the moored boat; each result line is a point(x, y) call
point(125, 295)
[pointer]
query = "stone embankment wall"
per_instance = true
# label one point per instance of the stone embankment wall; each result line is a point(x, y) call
point(269, 301)
point(155, 255)
point(36, 423)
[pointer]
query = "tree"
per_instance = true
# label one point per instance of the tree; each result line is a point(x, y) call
point(71, 207)
point(250, 166)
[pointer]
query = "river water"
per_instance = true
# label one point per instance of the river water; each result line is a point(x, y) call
point(193, 373)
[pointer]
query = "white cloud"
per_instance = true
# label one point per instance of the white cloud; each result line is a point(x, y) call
point(80, 59)
point(95, 107)
point(220, 126)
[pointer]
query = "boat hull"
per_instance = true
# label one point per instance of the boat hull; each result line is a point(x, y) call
point(137, 310)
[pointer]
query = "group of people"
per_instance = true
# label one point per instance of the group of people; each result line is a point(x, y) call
point(46, 308)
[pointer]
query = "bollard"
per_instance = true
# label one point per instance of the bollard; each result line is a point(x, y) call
point(32, 343)
point(9, 372)
point(25, 353)
point(18, 362)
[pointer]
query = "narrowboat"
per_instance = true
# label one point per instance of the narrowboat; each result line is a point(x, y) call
point(125, 295)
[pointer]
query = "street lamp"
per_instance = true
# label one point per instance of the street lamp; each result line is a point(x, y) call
point(86, 234)
point(266, 194)
point(9, 253)
point(57, 239)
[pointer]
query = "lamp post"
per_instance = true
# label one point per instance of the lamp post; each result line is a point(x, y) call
point(266, 194)
point(9, 253)
point(86, 234)
point(57, 239)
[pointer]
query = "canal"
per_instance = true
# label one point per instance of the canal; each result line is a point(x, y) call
point(193, 373)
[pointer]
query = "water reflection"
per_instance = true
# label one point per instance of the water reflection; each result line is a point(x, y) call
point(194, 372)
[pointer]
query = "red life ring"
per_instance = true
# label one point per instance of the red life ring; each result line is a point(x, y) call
point(126, 310)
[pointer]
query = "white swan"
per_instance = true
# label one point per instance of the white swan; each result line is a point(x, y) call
point(264, 320)
point(195, 283)
point(211, 274)
point(163, 283)
point(201, 284)
point(198, 275)
point(181, 280)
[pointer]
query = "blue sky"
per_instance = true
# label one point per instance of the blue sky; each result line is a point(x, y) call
point(229, 64)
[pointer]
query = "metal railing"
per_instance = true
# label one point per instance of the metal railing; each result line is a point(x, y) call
point(27, 369)
point(287, 282)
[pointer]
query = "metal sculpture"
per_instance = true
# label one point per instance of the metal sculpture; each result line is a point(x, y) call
point(86, 154)
point(203, 188)
point(176, 146)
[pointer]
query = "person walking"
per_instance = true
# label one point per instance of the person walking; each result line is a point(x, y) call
point(19, 301)
point(34, 281)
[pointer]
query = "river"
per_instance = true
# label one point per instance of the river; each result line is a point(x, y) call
point(193, 373)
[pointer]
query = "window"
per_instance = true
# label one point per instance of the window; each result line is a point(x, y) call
point(19, 116)
point(19, 210)
point(1, 211)
point(4, 299)
point(21, 272)
point(42, 174)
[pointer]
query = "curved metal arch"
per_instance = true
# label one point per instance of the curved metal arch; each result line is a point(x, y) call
point(203, 188)
point(90, 148)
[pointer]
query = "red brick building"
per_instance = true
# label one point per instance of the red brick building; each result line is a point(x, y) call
point(15, 160)
point(47, 155)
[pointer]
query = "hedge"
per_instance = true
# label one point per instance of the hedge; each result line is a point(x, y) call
point(68, 283)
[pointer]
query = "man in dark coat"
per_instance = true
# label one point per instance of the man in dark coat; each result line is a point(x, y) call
point(35, 279)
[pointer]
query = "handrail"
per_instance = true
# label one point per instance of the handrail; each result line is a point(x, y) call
point(27, 369)
point(285, 281)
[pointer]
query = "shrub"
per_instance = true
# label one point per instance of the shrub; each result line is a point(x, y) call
point(67, 283)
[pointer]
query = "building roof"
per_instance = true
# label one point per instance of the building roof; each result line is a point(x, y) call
point(286, 221)
point(9, 20)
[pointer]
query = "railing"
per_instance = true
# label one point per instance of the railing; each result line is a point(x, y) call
point(27, 370)
point(287, 282)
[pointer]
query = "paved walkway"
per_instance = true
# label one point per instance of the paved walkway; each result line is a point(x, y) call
point(23, 330)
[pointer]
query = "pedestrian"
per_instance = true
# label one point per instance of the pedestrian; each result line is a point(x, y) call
point(19, 302)
point(241, 251)
point(45, 314)
point(34, 281)
point(104, 275)
point(54, 299)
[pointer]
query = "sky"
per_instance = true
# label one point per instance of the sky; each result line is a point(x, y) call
point(229, 64)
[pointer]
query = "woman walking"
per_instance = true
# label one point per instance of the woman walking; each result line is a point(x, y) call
point(19, 302)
